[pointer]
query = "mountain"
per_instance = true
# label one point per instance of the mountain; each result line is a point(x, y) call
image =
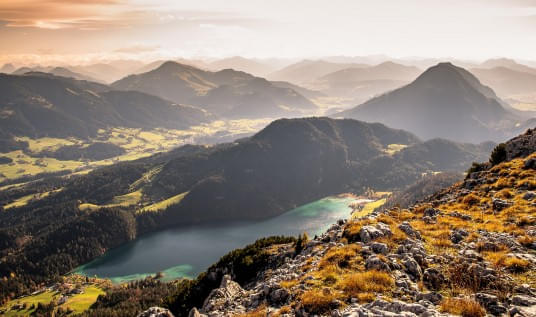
point(386, 70)
point(485, 243)
point(508, 63)
point(154, 65)
point(305, 71)
point(445, 101)
point(363, 83)
point(58, 71)
point(101, 71)
point(506, 81)
point(228, 93)
point(289, 163)
point(242, 64)
point(41, 104)
point(7, 68)
point(307, 93)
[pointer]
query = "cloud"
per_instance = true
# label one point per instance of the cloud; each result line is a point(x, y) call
point(56, 14)
point(140, 48)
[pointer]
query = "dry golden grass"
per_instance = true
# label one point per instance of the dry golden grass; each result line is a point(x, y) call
point(317, 301)
point(471, 199)
point(288, 284)
point(512, 264)
point(342, 257)
point(366, 282)
point(261, 311)
point(504, 193)
point(463, 307)
point(526, 240)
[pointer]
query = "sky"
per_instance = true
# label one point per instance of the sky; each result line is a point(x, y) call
point(83, 31)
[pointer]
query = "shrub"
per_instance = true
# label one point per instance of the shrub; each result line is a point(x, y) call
point(301, 242)
point(498, 155)
point(476, 167)
point(462, 306)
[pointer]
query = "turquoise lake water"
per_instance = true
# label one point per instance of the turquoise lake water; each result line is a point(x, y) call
point(188, 251)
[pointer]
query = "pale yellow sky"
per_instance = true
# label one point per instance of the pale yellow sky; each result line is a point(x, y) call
point(48, 31)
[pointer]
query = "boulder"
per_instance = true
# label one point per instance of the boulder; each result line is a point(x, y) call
point(433, 279)
point(530, 163)
point(523, 300)
point(157, 312)
point(529, 195)
point(408, 229)
point(458, 235)
point(412, 267)
point(375, 263)
point(432, 297)
point(431, 212)
point(500, 204)
point(380, 248)
point(369, 233)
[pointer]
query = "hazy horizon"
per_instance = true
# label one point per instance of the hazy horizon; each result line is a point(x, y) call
point(81, 32)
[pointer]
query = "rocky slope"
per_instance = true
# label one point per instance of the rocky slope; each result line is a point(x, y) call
point(468, 250)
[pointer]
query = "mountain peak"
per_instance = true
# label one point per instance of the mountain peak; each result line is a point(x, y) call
point(445, 101)
point(171, 66)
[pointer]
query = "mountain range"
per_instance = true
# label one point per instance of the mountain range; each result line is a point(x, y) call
point(362, 83)
point(227, 93)
point(306, 71)
point(58, 71)
point(507, 81)
point(41, 104)
point(445, 101)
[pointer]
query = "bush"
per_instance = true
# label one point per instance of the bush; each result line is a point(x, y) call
point(498, 155)
point(476, 167)
point(301, 242)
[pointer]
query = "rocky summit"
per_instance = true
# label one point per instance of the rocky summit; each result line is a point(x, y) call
point(468, 250)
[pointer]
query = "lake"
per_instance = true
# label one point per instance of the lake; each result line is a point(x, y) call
point(188, 251)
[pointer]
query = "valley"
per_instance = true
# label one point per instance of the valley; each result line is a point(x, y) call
point(135, 143)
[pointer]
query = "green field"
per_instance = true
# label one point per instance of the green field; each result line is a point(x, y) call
point(25, 199)
point(137, 143)
point(77, 303)
point(162, 205)
point(368, 208)
point(393, 148)
point(118, 201)
point(44, 298)
point(81, 302)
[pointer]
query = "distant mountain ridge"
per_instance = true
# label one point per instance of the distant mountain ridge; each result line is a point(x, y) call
point(363, 83)
point(58, 71)
point(445, 101)
point(239, 63)
point(228, 93)
point(307, 70)
point(41, 104)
